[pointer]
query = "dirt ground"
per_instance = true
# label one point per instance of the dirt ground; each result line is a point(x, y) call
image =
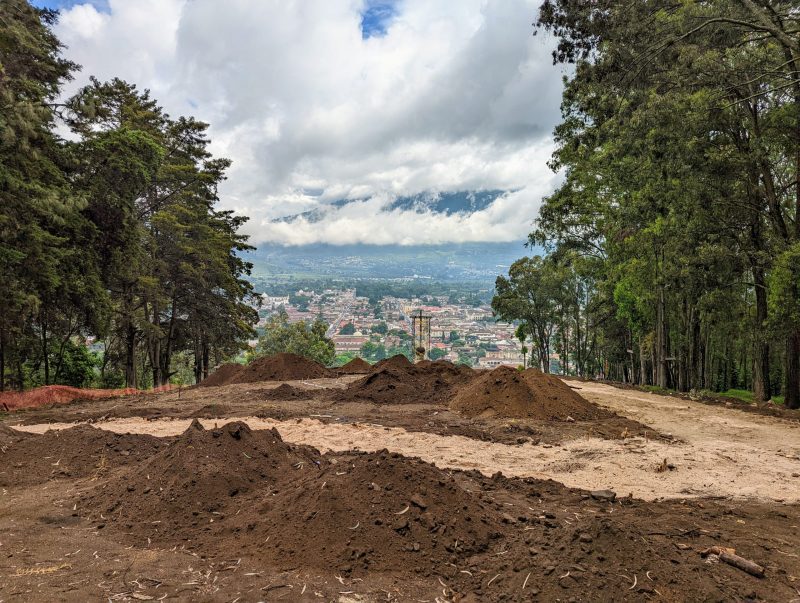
point(366, 522)
point(326, 405)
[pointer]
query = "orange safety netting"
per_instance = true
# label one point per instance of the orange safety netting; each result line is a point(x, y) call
point(61, 394)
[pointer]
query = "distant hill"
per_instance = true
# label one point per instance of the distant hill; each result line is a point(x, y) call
point(461, 202)
point(476, 262)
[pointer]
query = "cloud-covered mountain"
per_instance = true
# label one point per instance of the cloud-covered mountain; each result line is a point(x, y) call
point(369, 102)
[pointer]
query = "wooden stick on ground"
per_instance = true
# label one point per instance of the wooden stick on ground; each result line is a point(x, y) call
point(730, 557)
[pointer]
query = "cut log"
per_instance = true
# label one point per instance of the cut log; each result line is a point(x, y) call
point(730, 557)
point(752, 568)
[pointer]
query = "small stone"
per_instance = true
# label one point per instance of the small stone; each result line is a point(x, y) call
point(506, 518)
point(608, 495)
point(584, 537)
point(418, 501)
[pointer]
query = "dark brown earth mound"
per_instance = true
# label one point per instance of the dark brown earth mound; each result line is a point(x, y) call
point(224, 374)
point(507, 392)
point(405, 383)
point(75, 452)
point(282, 367)
point(377, 511)
point(10, 436)
point(197, 479)
point(356, 366)
point(396, 361)
point(287, 392)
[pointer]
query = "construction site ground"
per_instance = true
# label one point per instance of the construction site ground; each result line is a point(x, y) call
point(495, 509)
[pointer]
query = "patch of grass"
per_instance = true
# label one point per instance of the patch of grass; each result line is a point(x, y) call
point(655, 389)
point(746, 395)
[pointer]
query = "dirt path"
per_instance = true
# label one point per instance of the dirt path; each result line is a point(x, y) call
point(722, 452)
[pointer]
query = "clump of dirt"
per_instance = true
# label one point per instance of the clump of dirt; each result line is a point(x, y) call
point(378, 511)
point(197, 479)
point(400, 382)
point(507, 392)
point(287, 392)
point(282, 367)
point(356, 366)
point(396, 361)
point(75, 452)
point(223, 375)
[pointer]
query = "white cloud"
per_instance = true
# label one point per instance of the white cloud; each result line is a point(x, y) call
point(455, 96)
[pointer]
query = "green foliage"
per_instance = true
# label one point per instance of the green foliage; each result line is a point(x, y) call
point(372, 352)
point(437, 353)
point(381, 328)
point(344, 358)
point(347, 329)
point(676, 227)
point(299, 338)
point(112, 232)
point(78, 365)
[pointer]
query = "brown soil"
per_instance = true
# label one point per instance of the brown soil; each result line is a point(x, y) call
point(223, 375)
point(289, 523)
point(507, 392)
point(357, 366)
point(10, 436)
point(76, 452)
point(400, 382)
point(196, 479)
point(396, 361)
point(282, 367)
point(287, 392)
point(769, 409)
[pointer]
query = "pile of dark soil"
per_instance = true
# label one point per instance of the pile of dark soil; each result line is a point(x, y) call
point(282, 367)
point(400, 382)
point(75, 452)
point(194, 481)
point(507, 392)
point(287, 392)
point(356, 366)
point(248, 491)
point(223, 375)
point(396, 361)
point(377, 511)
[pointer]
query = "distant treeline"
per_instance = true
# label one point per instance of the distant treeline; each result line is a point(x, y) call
point(109, 233)
point(674, 239)
point(376, 289)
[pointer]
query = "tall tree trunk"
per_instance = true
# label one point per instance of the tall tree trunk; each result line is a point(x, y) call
point(662, 374)
point(45, 354)
point(205, 359)
point(2, 359)
point(792, 377)
point(130, 355)
point(130, 337)
point(761, 385)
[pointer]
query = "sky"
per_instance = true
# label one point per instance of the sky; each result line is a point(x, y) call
point(319, 101)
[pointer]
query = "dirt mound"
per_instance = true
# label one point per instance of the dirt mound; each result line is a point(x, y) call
point(282, 367)
point(396, 361)
point(507, 392)
point(378, 511)
point(248, 491)
point(356, 366)
point(196, 479)
point(287, 392)
point(223, 375)
point(75, 452)
point(400, 382)
point(10, 436)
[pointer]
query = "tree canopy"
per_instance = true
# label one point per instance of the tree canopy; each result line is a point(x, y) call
point(675, 231)
point(111, 235)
